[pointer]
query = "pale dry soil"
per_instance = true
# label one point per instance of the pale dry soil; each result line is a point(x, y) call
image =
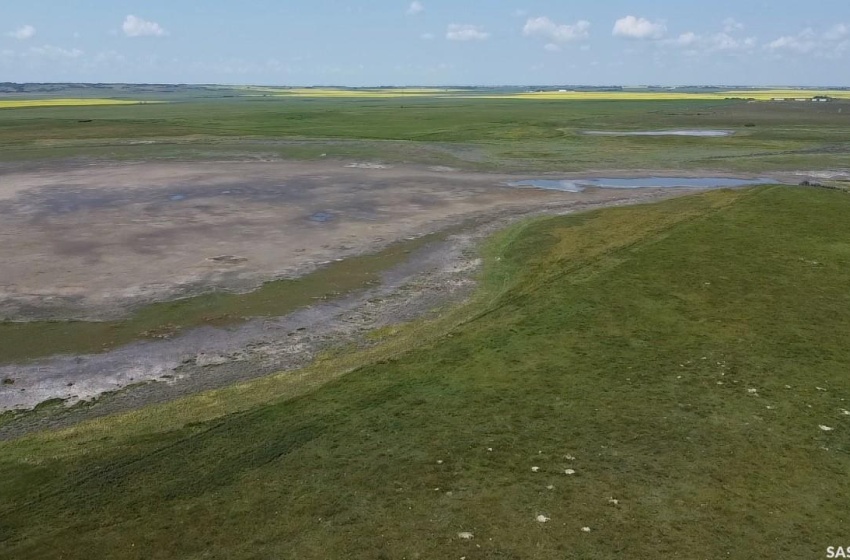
point(93, 242)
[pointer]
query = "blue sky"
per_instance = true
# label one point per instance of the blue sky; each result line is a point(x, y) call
point(427, 42)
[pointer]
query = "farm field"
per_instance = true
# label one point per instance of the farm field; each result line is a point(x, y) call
point(85, 102)
point(671, 376)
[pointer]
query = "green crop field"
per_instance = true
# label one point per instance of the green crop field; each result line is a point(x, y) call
point(659, 381)
point(500, 131)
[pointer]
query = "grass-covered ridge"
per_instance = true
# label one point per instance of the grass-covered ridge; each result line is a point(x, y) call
point(681, 358)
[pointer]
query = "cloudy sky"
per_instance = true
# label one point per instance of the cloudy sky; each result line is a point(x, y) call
point(427, 42)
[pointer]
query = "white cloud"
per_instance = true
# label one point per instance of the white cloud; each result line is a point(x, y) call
point(725, 42)
point(415, 8)
point(23, 33)
point(717, 42)
point(54, 53)
point(632, 27)
point(803, 42)
point(832, 43)
point(554, 32)
point(466, 32)
point(837, 32)
point(731, 25)
point(685, 39)
point(137, 27)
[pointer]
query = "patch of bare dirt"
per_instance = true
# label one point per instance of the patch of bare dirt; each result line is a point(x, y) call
point(149, 372)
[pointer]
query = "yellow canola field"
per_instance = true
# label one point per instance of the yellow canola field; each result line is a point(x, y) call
point(19, 103)
point(759, 95)
point(364, 93)
point(788, 93)
point(626, 95)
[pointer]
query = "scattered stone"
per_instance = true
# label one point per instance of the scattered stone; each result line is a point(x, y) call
point(440, 462)
point(542, 519)
point(569, 458)
point(465, 536)
point(825, 428)
point(535, 469)
point(753, 391)
point(569, 471)
point(585, 529)
point(550, 487)
point(821, 389)
point(845, 412)
point(613, 501)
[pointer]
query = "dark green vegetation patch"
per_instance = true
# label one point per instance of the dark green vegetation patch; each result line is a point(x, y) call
point(687, 362)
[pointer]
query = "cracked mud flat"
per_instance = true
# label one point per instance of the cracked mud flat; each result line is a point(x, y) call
point(95, 242)
point(92, 243)
point(206, 358)
point(153, 371)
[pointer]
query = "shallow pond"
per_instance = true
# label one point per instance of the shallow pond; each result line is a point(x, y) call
point(682, 132)
point(578, 185)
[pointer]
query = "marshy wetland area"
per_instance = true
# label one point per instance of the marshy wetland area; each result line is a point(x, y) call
point(467, 323)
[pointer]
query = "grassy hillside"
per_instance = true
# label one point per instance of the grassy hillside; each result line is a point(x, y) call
point(684, 359)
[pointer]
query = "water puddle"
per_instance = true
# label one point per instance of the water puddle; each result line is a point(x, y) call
point(321, 217)
point(679, 132)
point(578, 185)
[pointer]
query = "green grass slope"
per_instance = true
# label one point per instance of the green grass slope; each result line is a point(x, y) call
point(680, 358)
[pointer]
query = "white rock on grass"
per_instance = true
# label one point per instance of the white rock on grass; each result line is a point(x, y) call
point(569, 471)
point(845, 412)
point(585, 529)
point(542, 519)
point(535, 469)
point(825, 428)
point(465, 536)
